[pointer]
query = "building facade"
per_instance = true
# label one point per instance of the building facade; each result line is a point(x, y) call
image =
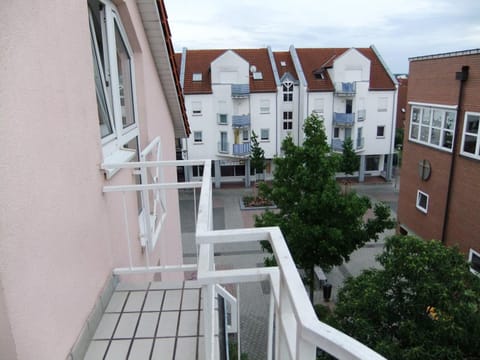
point(441, 168)
point(85, 90)
point(271, 93)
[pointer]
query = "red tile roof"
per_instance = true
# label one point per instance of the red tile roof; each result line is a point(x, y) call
point(289, 67)
point(314, 59)
point(198, 61)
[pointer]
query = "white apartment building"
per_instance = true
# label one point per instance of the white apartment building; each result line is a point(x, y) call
point(230, 93)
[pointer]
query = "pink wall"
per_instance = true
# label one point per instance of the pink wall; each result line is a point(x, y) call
point(58, 232)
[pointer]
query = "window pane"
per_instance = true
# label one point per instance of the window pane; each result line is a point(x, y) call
point(470, 144)
point(416, 115)
point(447, 139)
point(264, 134)
point(424, 133)
point(435, 136)
point(437, 118)
point(449, 120)
point(472, 124)
point(422, 201)
point(103, 114)
point(426, 116)
point(197, 136)
point(414, 132)
point(372, 162)
point(124, 80)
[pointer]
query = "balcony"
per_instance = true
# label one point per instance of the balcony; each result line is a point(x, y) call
point(343, 120)
point(192, 319)
point(240, 91)
point(240, 121)
point(241, 149)
point(223, 147)
point(337, 144)
point(345, 89)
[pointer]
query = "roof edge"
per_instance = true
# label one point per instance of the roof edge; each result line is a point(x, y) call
point(446, 55)
point(384, 64)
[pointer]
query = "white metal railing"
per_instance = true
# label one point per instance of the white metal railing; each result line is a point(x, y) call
point(294, 332)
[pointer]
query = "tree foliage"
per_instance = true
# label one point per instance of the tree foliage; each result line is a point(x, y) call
point(257, 155)
point(321, 225)
point(423, 304)
point(349, 161)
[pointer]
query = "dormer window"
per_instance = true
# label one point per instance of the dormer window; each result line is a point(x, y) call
point(319, 74)
point(197, 77)
point(258, 75)
point(283, 63)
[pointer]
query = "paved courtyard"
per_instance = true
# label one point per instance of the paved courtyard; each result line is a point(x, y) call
point(253, 296)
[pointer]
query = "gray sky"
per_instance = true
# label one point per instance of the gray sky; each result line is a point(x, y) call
point(399, 29)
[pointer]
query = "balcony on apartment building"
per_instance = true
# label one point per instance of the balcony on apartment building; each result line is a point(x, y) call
point(358, 144)
point(241, 121)
point(241, 149)
point(343, 120)
point(194, 319)
point(240, 91)
point(345, 88)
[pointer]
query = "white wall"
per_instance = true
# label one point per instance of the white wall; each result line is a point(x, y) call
point(264, 121)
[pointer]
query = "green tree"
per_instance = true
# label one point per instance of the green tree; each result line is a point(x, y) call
point(424, 303)
point(321, 225)
point(350, 161)
point(257, 156)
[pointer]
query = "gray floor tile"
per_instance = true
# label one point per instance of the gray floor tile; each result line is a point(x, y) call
point(186, 348)
point(141, 349)
point(96, 350)
point(163, 349)
point(126, 326)
point(172, 300)
point(147, 325)
point(135, 301)
point(116, 302)
point(188, 323)
point(153, 301)
point(190, 299)
point(118, 350)
point(106, 326)
point(168, 324)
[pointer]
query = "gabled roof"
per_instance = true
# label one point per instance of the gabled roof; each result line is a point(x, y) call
point(198, 61)
point(314, 60)
point(283, 57)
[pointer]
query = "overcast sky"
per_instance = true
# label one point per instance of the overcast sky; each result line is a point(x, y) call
point(399, 29)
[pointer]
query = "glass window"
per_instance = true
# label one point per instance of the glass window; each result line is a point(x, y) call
point(422, 201)
point(432, 126)
point(114, 77)
point(287, 91)
point(197, 137)
point(264, 134)
point(471, 135)
point(382, 104)
point(381, 131)
point(196, 108)
point(264, 106)
point(222, 119)
point(372, 162)
point(246, 135)
point(474, 260)
point(336, 132)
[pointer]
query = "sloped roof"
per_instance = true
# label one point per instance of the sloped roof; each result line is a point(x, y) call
point(315, 59)
point(198, 61)
point(284, 56)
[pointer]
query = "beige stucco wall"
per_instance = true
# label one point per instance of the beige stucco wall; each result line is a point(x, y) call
point(60, 236)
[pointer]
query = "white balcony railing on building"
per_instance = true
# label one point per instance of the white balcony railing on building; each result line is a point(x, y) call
point(241, 149)
point(344, 120)
point(294, 332)
point(345, 88)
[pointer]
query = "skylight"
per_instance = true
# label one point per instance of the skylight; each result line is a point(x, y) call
point(283, 63)
point(197, 77)
point(257, 75)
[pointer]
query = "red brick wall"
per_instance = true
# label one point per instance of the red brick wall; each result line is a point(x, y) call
point(433, 81)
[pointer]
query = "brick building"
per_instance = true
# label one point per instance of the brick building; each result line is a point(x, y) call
point(441, 164)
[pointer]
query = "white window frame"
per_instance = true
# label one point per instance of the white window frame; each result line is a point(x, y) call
point(219, 119)
point(382, 105)
point(264, 138)
point(417, 203)
point(196, 108)
point(287, 88)
point(468, 132)
point(197, 140)
point(417, 121)
point(471, 253)
point(264, 106)
point(114, 145)
point(196, 77)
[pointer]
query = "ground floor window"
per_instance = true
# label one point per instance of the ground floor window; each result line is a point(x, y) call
point(232, 170)
point(422, 201)
point(372, 162)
